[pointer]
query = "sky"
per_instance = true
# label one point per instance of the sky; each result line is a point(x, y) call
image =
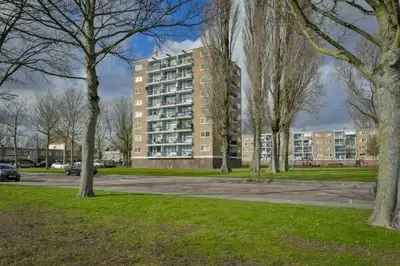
point(115, 78)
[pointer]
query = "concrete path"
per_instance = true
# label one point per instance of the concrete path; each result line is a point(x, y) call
point(339, 194)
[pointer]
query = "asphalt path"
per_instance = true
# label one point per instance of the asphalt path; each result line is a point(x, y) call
point(323, 193)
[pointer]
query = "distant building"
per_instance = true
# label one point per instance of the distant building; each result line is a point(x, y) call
point(303, 146)
point(345, 147)
point(7, 154)
point(114, 155)
point(171, 128)
point(60, 143)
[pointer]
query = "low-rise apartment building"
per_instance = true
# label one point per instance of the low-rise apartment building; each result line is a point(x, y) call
point(172, 127)
point(344, 147)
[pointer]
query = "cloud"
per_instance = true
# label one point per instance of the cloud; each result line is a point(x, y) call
point(174, 47)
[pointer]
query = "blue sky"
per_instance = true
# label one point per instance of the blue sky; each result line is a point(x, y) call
point(116, 79)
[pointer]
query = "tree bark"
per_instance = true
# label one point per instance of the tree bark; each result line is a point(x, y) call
point(88, 143)
point(16, 143)
point(65, 150)
point(72, 149)
point(386, 213)
point(225, 167)
point(47, 150)
point(275, 152)
point(284, 150)
point(92, 81)
point(256, 167)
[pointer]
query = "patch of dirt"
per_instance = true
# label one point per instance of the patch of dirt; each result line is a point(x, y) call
point(37, 237)
point(41, 236)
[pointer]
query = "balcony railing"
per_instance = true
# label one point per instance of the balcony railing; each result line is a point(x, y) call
point(161, 130)
point(166, 66)
point(171, 104)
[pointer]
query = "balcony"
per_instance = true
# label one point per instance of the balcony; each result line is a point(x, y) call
point(177, 116)
point(173, 104)
point(169, 65)
point(170, 130)
point(170, 92)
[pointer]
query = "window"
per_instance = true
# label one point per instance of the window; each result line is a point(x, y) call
point(138, 67)
point(203, 120)
point(205, 134)
point(138, 114)
point(139, 79)
point(138, 138)
point(139, 102)
point(138, 124)
point(137, 150)
point(204, 148)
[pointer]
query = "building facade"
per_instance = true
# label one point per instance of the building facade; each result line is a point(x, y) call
point(171, 126)
point(344, 147)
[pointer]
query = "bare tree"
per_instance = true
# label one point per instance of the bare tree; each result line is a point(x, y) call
point(361, 99)
point(385, 77)
point(71, 105)
point(278, 25)
point(95, 29)
point(219, 40)
point(22, 52)
point(102, 130)
point(301, 90)
point(255, 41)
point(14, 114)
point(45, 117)
point(122, 122)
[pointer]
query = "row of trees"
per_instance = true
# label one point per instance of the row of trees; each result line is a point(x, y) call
point(82, 34)
point(279, 88)
point(278, 37)
point(61, 116)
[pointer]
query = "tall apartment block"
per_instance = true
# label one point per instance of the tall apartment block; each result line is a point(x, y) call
point(171, 125)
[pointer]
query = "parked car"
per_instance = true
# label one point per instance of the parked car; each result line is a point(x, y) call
point(98, 164)
point(76, 170)
point(8, 172)
point(58, 165)
point(24, 163)
point(109, 164)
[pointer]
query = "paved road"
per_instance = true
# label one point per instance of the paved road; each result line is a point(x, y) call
point(342, 194)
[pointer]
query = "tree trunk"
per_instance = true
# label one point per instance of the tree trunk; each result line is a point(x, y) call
point(72, 149)
point(16, 144)
point(88, 147)
point(275, 152)
point(47, 150)
point(284, 150)
point(65, 151)
point(256, 167)
point(90, 133)
point(386, 213)
point(225, 168)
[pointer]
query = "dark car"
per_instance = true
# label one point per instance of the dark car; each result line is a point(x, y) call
point(109, 164)
point(25, 163)
point(8, 172)
point(76, 170)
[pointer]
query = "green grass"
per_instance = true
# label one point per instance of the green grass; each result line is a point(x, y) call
point(331, 174)
point(49, 226)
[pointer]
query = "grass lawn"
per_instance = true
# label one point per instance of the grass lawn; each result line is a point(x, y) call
point(335, 174)
point(49, 226)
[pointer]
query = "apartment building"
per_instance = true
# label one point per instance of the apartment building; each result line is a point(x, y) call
point(171, 125)
point(303, 146)
point(248, 148)
point(323, 145)
point(344, 147)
